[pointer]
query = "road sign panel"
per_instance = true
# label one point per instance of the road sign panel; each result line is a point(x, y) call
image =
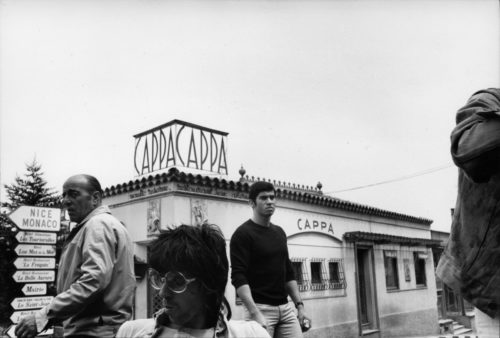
point(35, 289)
point(36, 237)
point(35, 250)
point(38, 263)
point(34, 276)
point(10, 331)
point(36, 302)
point(12, 328)
point(16, 315)
point(37, 218)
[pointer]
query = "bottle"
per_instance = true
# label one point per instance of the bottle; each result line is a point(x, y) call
point(306, 325)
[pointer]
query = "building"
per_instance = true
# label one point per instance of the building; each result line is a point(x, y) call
point(451, 305)
point(362, 271)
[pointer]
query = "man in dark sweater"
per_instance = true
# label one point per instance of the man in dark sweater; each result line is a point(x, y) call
point(261, 270)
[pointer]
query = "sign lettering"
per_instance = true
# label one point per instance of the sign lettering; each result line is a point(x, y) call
point(22, 303)
point(36, 237)
point(16, 315)
point(34, 289)
point(34, 276)
point(36, 218)
point(179, 143)
point(314, 225)
point(35, 263)
point(35, 250)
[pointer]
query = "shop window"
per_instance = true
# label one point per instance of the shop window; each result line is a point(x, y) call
point(300, 273)
point(319, 278)
point(316, 272)
point(336, 274)
point(391, 269)
point(297, 269)
point(419, 262)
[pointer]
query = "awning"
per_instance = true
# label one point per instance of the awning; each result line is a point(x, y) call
point(360, 236)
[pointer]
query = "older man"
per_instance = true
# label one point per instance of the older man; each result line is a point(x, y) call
point(95, 282)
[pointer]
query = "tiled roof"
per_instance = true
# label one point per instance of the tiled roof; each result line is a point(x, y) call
point(357, 236)
point(174, 175)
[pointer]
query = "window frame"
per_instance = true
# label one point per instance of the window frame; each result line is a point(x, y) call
point(304, 286)
point(419, 264)
point(391, 263)
point(341, 283)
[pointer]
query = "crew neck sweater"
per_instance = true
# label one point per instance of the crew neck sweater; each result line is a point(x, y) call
point(259, 258)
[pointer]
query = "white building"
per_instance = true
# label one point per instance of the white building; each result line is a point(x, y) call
point(361, 270)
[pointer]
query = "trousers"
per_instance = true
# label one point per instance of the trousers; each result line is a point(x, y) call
point(282, 321)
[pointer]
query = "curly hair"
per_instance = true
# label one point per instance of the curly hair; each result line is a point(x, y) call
point(198, 251)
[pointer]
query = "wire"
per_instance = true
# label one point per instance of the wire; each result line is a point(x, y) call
point(406, 177)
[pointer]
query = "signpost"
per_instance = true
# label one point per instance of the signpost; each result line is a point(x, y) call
point(19, 314)
point(12, 328)
point(34, 289)
point(36, 261)
point(34, 276)
point(36, 218)
point(35, 250)
point(36, 237)
point(37, 302)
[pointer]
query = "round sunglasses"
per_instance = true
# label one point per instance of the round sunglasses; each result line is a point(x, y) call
point(174, 280)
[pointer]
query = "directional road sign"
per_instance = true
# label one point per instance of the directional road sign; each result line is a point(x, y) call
point(16, 315)
point(35, 250)
point(34, 289)
point(37, 218)
point(34, 276)
point(37, 302)
point(10, 331)
point(36, 237)
point(12, 328)
point(29, 263)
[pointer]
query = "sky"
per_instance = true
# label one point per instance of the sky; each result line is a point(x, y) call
point(348, 93)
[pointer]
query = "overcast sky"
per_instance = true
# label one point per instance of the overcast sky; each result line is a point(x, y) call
point(349, 93)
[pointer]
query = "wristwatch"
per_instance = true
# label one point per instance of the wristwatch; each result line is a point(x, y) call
point(298, 303)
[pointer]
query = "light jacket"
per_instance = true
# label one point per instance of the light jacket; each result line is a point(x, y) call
point(153, 328)
point(470, 263)
point(95, 281)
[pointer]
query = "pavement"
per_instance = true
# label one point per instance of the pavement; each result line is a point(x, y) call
point(471, 335)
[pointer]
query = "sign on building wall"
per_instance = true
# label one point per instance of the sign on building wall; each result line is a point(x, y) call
point(154, 217)
point(199, 211)
point(180, 144)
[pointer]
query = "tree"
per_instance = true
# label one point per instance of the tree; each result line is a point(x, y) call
point(31, 190)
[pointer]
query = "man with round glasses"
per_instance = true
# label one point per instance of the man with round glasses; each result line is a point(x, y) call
point(189, 268)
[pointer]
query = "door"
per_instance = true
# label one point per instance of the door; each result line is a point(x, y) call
point(367, 304)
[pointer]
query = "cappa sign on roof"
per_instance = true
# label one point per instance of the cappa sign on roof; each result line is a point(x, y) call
point(180, 144)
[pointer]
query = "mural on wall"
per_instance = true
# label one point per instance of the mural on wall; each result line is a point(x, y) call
point(406, 263)
point(153, 217)
point(199, 211)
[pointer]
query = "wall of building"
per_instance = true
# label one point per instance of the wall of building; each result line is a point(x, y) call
point(315, 234)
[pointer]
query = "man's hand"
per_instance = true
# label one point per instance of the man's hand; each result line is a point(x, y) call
point(301, 314)
point(26, 328)
point(259, 318)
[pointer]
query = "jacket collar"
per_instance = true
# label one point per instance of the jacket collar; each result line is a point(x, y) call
point(102, 209)
point(161, 319)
